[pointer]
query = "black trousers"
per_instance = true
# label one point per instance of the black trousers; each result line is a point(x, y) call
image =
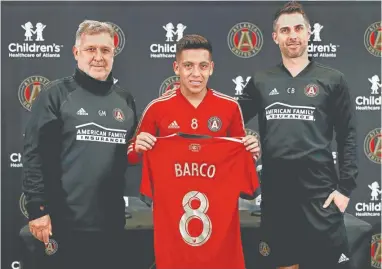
point(310, 235)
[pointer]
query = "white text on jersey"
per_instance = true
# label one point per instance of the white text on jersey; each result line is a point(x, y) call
point(195, 170)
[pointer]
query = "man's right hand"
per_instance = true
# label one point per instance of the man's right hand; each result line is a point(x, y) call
point(41, 228)
point(144, 141)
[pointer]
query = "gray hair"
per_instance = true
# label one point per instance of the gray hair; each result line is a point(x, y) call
point(90, 27)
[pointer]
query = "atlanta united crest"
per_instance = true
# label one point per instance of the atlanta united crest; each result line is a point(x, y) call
point(22, 204)
point(373, 145)
point(51, 248)
point(376, 251)
point(118, 115)
point(373, 39)
point(264, 249)
point(245, 40)
point(119, 38)
point(214, 124)
point(30, 88)
point(252, 132)
point(169, 84)
point(255, 134)
point(311, 90)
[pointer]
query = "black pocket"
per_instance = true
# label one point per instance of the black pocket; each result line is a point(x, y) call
point(334, 207)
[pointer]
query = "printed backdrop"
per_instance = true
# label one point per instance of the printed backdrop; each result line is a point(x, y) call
point(37, 39)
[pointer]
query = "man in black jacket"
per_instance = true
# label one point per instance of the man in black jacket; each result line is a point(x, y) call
point(75, 157)
point(299, 104)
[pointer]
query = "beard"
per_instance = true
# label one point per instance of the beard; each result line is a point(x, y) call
point(294, 53)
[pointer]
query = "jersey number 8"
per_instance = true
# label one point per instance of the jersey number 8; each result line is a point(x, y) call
point(194, 124)
point(198, 213)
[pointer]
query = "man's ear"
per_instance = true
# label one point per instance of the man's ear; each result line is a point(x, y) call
point(75, 51)
point(175, 66)
point(274, 37)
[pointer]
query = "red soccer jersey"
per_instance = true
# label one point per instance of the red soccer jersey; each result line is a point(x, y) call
point(217, 115)
point(195, 185)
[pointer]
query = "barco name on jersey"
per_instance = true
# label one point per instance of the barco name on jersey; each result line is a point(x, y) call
point(195, 169)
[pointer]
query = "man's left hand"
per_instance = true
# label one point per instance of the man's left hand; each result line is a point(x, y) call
point(339, 199)
point(252, 145)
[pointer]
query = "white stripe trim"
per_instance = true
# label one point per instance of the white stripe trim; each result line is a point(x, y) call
point(92, 123)
point(219, 94)
point(219, 137)
point(160, 99)
point(168, 136)
point(279, 103)
point(231, 139)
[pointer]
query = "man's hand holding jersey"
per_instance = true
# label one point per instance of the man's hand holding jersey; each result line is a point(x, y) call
point(41, 228)
point(146, 141)
point(252, 145)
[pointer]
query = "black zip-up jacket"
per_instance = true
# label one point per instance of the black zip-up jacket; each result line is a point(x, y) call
point(75, 153)
point(297, 117)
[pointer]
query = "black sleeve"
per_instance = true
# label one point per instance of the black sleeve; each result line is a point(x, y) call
point(128, 97)
point(131, 104)
point(249, 101)
point(345, 127)
point(39, 132)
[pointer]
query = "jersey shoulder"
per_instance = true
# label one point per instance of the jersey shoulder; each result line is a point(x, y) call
point(224, 99)
point(57, 91)
point(124, 94)
point(62, 84)
point(162, 102)
point(266, 74)
point(325, 71)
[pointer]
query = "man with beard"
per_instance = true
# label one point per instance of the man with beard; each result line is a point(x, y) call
point(299, 104)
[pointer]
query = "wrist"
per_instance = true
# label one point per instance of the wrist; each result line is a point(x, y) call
point(36, 210)
point(344, 191)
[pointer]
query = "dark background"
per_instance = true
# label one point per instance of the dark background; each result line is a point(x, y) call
point(345, 25)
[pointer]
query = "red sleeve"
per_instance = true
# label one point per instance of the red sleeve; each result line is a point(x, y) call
point(146, 182)
point(236, 128)
point(250, 179)
point(146, 124)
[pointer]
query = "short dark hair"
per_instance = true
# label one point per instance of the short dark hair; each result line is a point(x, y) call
point(193, 42)
point(290, 8)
